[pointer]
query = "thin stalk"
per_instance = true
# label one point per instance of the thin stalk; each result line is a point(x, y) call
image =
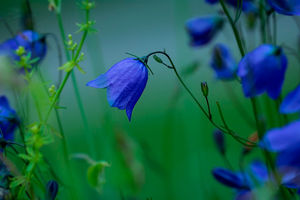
point(241, 140)
point(234, 29)
point(74, 81)
point(60, 127)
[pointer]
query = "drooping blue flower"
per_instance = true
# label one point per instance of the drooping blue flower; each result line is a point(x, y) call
point(125, 83)
point(8, 119)
point(33, 43)
point(263, 70)
point(203, 29)
point(291, 102)
point(223, 63)
point(285, 7)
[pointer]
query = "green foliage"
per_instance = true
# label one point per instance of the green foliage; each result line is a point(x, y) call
point(95, 174)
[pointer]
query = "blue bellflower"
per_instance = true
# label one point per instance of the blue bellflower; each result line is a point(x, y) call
point(263, 70)
point(125, 83)
point(8, 119)
point(291, 102)
point(30, 40)
point(203, 29)
point(285, 7)
point(223, 63)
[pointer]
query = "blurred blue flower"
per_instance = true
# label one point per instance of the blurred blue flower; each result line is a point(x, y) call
point(236, 180)
point(8, 119)
point(33, 43)
point(230, 179)
point(263, 70)
point(248, 5)
point(52, 189)
point(125, 83)
point(285, 141)
point(285, 7)
point(223, 63)
point(281, 139)
point(203, 29)
point(219, 140)
point(211, 1)
point(291, 102)
point(259, 170)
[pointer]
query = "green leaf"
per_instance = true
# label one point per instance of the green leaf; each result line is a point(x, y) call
point(17, 181)
point(95, 174)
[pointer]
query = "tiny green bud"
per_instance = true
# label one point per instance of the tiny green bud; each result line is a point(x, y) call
point(74, 46)
point(81, 57)
point(157, 59)
point(20, 51)
point(52, 90)
point(204, 89)
point(70, 42)
point(35, 129)
point(70, 37)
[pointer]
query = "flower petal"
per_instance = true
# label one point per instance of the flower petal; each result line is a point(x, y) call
point(281, 139)
point(291, 102)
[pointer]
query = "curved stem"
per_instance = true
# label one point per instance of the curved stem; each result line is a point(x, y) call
point(74, 81)
point(226, 130)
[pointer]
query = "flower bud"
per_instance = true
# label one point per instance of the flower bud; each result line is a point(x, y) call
point(220, 141)
point(20, 51)
point(157, 59)
point(52, 189)
point(204, 89)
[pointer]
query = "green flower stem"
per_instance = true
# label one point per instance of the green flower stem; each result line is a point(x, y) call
point(224, 130)
point(61, 130)
point(234, 29)
point(267, 155)
point(263, 20)
point(73, 77)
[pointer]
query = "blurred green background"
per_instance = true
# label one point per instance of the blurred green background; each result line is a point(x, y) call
point(167, 150)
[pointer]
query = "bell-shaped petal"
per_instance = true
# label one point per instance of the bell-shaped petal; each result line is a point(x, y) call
point(260, 171)
point(223, 63)
point(263, 70)
point(125, 83)
point(8, 119)
point(281, 139)
point(230, 179)
point(203, 29)
point(285, 7)
point(291, 102)
point(30, 40)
